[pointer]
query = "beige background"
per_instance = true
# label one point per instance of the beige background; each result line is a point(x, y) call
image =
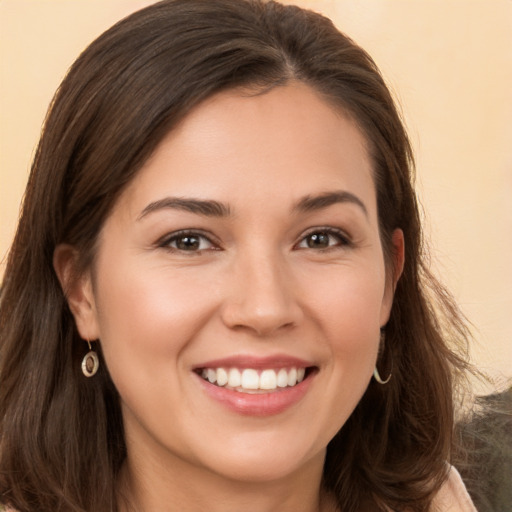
point(449, 63)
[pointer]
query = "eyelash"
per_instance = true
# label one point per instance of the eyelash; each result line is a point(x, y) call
point(165, 243)
point(343, 240)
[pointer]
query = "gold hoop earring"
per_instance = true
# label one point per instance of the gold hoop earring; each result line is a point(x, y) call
point(378, 378)
point(376, 374)
point(90, 362)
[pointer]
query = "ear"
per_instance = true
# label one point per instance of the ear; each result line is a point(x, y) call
point(398, 255)
point(395, 271)
point(78, 291)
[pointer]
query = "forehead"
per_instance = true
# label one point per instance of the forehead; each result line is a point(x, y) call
point(237, 145)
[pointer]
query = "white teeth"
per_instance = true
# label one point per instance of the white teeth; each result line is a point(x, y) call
point(234, 378)
point(250, 379)
point(292, 377)
point(268, 379)
point(222, 377)
point(211, 375)
point(282, 378)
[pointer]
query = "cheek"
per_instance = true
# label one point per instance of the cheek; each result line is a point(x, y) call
point(146, 318)
point(346, 309)
point(350, 305)
point(349, 312)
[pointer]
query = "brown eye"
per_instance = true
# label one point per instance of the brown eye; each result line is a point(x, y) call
point(324, 239)
point(318, 240)
point(186, 242)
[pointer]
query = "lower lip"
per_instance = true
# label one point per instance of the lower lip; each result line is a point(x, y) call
point(258, 404)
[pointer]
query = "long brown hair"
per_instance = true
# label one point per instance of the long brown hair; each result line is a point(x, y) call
point(61, 435)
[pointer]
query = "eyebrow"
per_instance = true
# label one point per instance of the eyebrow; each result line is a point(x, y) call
point(321, 201)
point(205, 207)
point(211, 208)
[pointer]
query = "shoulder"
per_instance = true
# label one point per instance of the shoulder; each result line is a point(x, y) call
point(453, 496)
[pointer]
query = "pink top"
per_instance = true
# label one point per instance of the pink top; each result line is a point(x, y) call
point(453, 496)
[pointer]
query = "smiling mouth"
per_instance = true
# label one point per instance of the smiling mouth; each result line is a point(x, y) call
point(249, 380)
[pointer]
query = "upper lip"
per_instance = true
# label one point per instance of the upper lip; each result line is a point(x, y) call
point(256, 362)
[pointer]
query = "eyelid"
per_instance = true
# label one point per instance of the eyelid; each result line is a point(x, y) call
point(345, 239)
point(165, 241)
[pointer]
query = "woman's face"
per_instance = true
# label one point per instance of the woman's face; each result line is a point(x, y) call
point(240, 285)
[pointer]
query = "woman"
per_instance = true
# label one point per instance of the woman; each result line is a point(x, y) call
point(219, 246)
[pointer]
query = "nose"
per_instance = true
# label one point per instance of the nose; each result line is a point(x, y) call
point(262, 296)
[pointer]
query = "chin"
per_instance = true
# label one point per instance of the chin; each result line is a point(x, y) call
point(267, 463)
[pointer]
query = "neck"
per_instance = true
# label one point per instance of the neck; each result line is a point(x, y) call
point(149, 487)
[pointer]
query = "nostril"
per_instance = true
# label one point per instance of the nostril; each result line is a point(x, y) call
point(260, 298)
point(261, 321)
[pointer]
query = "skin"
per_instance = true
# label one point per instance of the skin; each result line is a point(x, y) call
point(255, 285)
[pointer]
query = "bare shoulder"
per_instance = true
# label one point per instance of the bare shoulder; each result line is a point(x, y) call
point(453, 496)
